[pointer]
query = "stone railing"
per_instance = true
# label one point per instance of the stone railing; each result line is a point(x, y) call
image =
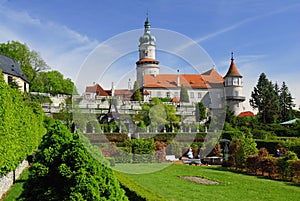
point(6, 181)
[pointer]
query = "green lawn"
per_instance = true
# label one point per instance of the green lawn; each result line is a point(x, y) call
point(17, 188)
point(166, 183)
point(234, 186)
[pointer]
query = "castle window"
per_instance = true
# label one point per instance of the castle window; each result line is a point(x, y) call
point(168, 94)
point(159, 94)
point(192, 94)
point(199, 95)
point(235, 81)
point(176, 94)
point(229, 81)
point(9, 79)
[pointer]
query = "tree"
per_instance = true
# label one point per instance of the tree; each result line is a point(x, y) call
point(52, 82)
point(200, 111)
point(286, 103)
point(29, 60)
point(184, 97)
point(157, 114)
point(240, 148)
point(136, 96)
point(230, 117)
point(264, 98)
point(68, 167)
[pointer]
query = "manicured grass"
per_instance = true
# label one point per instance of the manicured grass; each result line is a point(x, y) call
point(234, 186)
point(17, 188)
point(140, 168)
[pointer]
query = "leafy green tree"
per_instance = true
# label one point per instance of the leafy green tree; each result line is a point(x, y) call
point(64, 170)
point(29, 60)
point(264, 98)
point(286, 103)
point(184, 97)
point(157, 115)
point(240, 148)
point(52, 82)
point(200, 111)
point(136, 96)
point(230, 117)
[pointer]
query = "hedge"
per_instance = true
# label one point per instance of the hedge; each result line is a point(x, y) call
point(135, 191)
point(270, 145)
point(21, 127)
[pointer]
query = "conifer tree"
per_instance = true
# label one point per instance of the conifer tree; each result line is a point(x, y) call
point(286, 103)
point(136, 96)
point(184, 97)
point(264, 98)
point(200, 111)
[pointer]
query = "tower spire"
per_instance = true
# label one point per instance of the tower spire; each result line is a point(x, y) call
point(147, 23)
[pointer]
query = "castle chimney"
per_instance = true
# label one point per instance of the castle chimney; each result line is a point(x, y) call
point(178, 79)
point(112, 89)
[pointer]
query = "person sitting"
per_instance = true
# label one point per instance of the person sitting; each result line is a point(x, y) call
point(190, 153)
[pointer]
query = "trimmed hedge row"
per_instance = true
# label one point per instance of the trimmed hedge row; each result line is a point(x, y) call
point(21, 127)
point(163, 137)
point(135, 191)
point(272, 145)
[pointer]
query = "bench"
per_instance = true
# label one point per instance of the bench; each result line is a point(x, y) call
point(190, 161)
point(171, 158)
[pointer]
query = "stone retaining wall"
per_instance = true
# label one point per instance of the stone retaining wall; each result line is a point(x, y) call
point(7, 180)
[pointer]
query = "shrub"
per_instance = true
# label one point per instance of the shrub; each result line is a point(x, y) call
point(142, 150)
point(252, 163)
point(283, 164)
point(174, 148)
point(160, 151)
point(294, 169)
point(65, 169)
point(267, 164)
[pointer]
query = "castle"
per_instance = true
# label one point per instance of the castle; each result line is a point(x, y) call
point(210, 88)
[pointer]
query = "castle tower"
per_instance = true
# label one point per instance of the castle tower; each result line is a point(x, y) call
point(147, 64)
point(233, 84)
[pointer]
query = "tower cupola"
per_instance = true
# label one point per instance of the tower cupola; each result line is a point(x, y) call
point(147, 64)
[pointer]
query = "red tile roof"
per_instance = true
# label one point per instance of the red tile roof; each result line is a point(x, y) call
point(146, 92)
point(212, 76)
point(147, 60)
point(175, 100)
point(96, 89)
point(232, 71)
point(124, 93)
point(246, 114)
point(170, 81)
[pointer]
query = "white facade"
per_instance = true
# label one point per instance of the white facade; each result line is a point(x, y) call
point(23, 85)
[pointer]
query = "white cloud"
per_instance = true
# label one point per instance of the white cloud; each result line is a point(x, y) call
point(62, 48)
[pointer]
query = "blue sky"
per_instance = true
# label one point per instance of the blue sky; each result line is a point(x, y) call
point(264, 35)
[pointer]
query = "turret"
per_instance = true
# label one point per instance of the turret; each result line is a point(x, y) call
point(233, 84)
